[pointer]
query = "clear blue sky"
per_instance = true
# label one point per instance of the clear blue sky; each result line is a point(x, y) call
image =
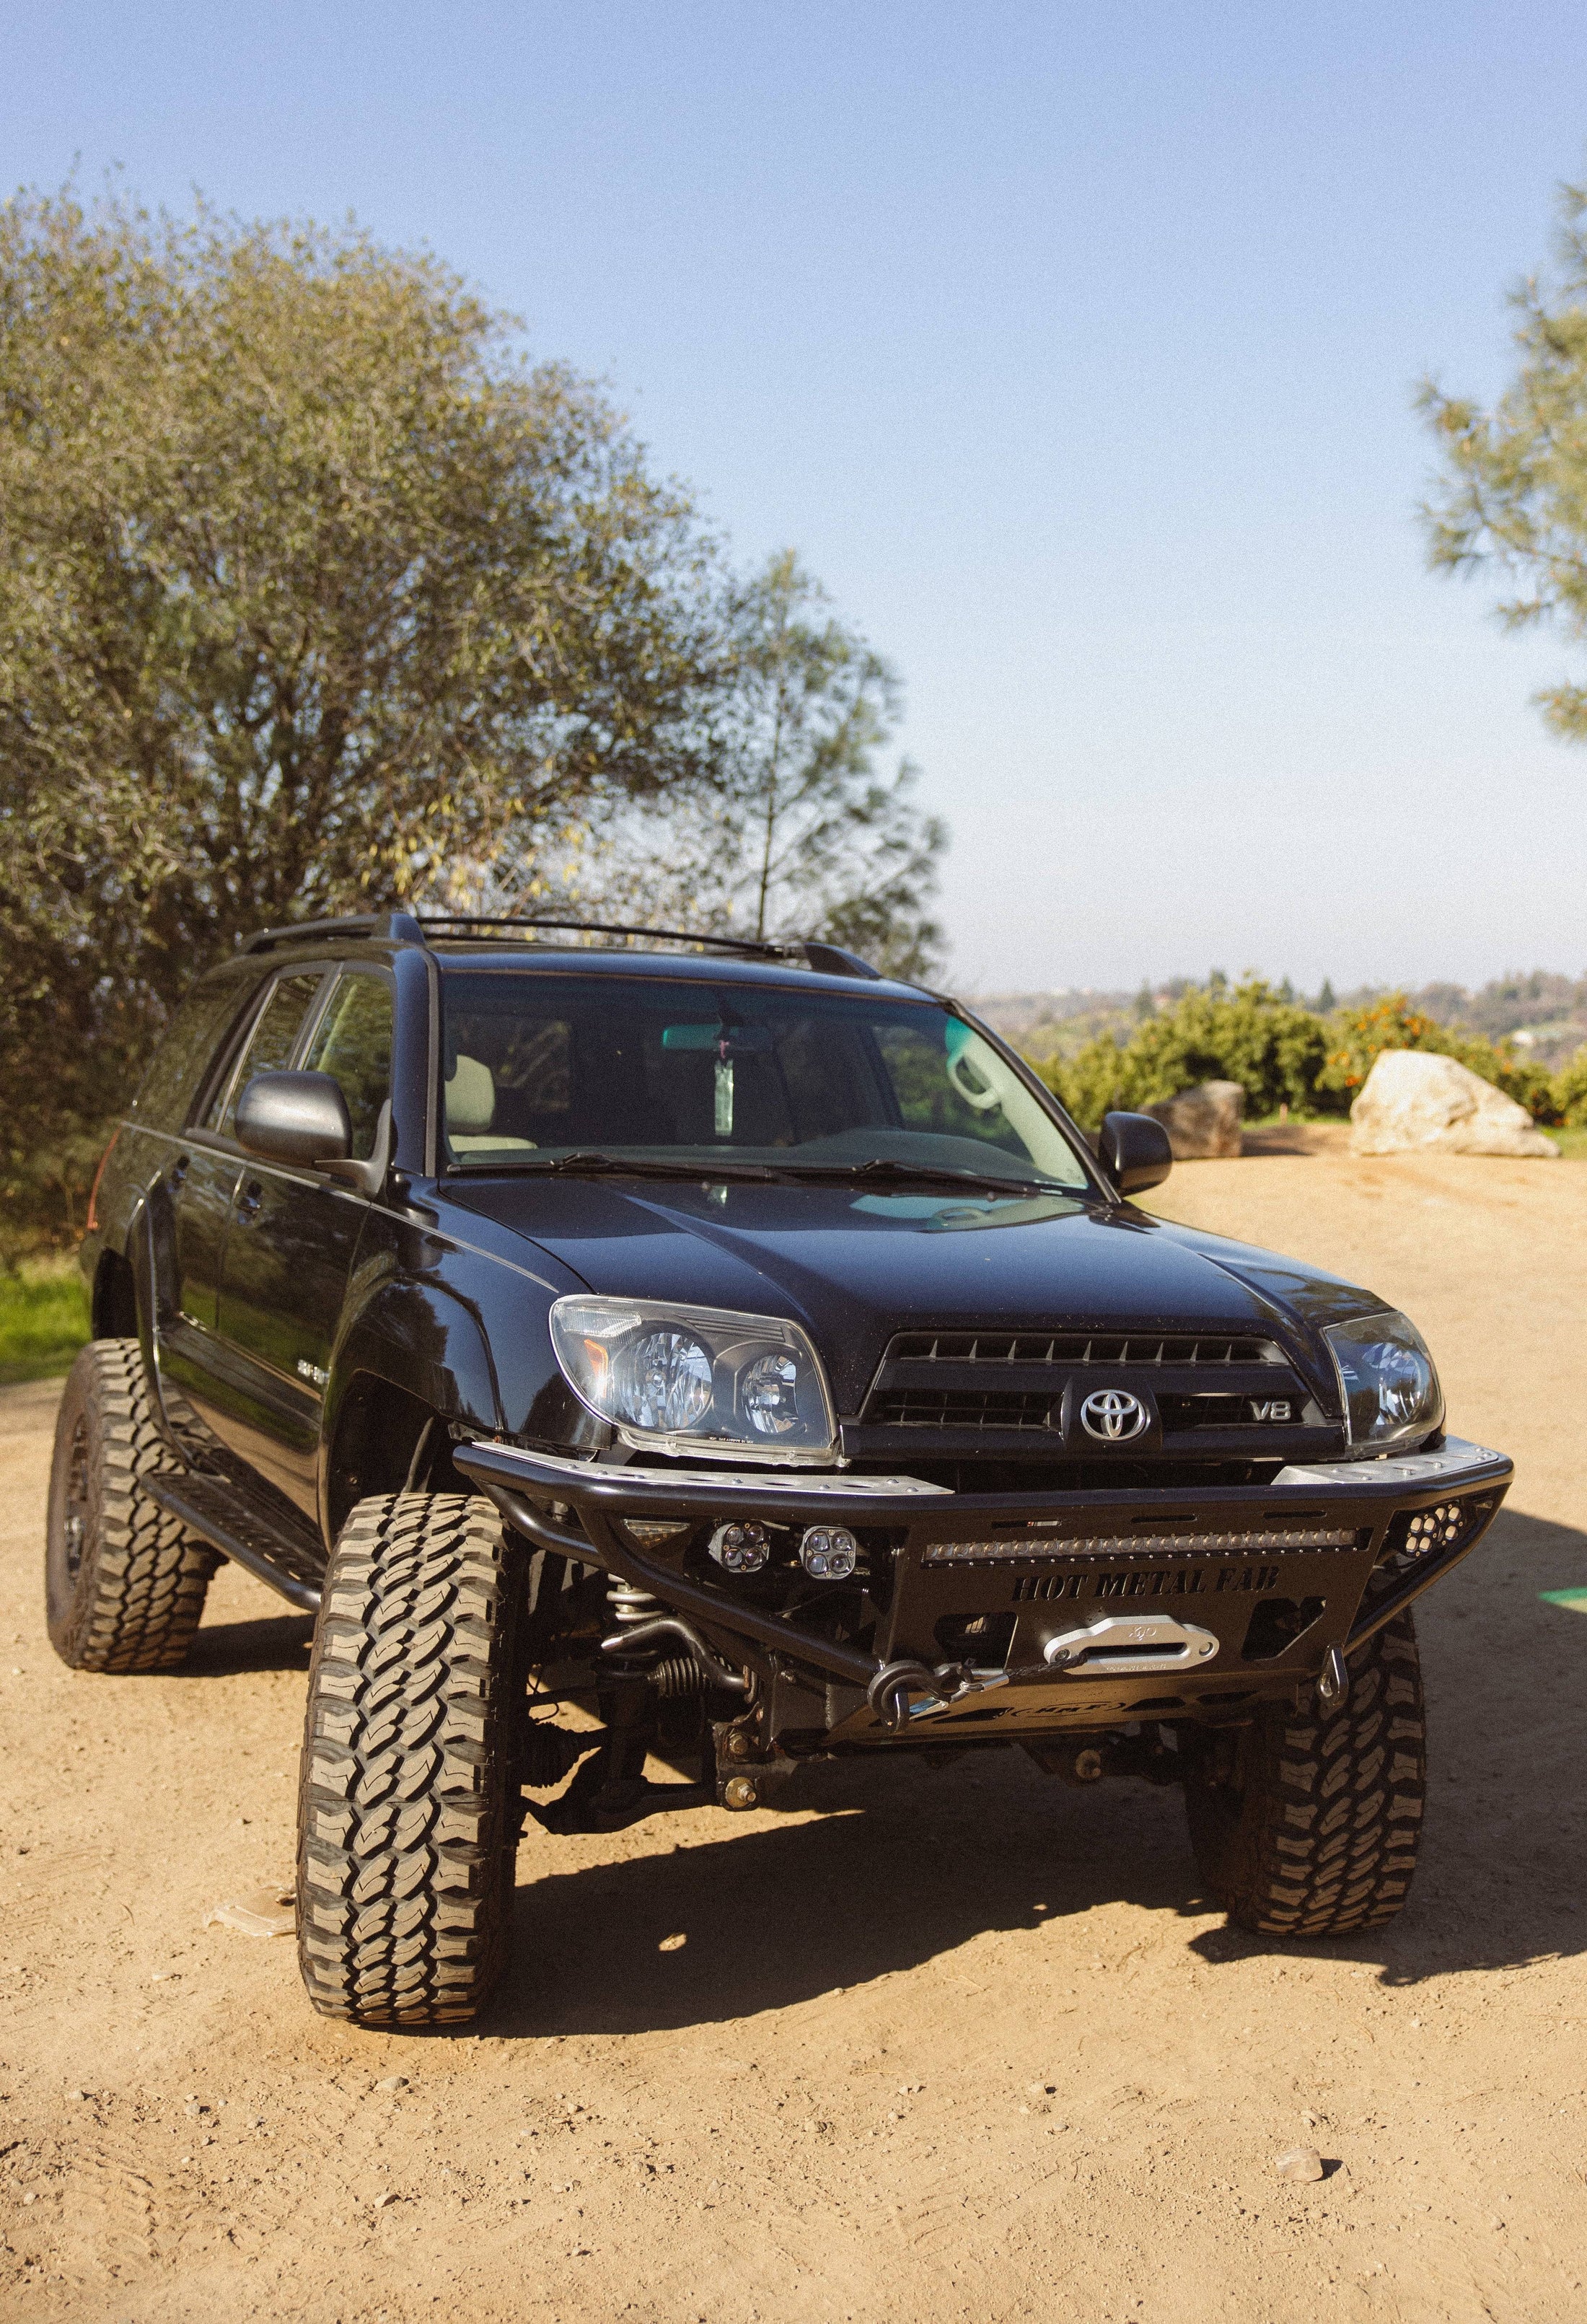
point(1072, 346)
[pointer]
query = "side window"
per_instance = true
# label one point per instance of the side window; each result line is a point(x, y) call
point(269, 1045)
point(352, 1044)
point(185, 1048)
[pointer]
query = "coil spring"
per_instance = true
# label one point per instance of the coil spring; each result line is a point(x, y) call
point(677, 1676)
point(628, 1603)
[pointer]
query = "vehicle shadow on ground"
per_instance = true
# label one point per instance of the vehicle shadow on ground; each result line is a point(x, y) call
point(905, 1864)
point(278, 1642)
point(901, 1865)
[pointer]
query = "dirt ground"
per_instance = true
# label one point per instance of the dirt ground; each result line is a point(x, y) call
point(956, 2045)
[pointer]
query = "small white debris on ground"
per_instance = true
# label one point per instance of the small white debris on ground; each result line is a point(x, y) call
point(260, 1913)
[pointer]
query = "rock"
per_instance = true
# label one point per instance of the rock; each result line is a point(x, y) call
point(1203, 1123)
point(1299, 2165)
point(1414, 1101)
point(262, 1913)
point(393, 2082)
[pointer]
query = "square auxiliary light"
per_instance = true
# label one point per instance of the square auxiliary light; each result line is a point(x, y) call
point(829, 1553)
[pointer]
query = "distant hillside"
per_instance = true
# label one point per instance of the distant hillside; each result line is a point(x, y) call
point(1544, 1013)
point(1056, 1024)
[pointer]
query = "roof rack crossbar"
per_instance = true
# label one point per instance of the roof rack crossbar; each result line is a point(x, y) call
point(827, 959)
point(409, 928)
point(607, 928)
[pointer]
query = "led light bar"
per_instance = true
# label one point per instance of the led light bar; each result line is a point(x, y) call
point(1138, 1544)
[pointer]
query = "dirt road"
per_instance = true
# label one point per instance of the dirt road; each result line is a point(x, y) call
point(941, 2046)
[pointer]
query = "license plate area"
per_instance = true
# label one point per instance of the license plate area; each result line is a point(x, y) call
point(1271, 1595)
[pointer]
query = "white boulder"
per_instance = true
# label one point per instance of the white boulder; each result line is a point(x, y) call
point(1203, 1123)
point(1414, 1101)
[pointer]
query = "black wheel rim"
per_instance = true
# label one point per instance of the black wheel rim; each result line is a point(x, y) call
point(74, 1515)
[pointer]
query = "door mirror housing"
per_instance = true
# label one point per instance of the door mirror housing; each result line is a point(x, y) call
point(1134, 1151)
point(299, 1118)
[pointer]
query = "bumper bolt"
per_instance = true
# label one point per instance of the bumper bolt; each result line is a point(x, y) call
point(739, 1792)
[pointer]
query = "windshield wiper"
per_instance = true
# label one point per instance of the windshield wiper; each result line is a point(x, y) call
point(880, 1171)
point(885, 1171)
point(628, 1165)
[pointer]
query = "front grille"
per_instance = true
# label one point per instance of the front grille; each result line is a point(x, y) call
point(1142, 1544)
point(973, 1407)
point(1079, 1348)
point(992, 1407)
point(989, 1384)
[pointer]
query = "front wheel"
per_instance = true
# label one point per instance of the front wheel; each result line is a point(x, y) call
point(1307, 1825)
point(407, 1829)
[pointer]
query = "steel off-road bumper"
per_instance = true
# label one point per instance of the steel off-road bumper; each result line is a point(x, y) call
point(1098, 1607)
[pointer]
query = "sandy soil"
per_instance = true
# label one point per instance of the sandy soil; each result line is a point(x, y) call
point(955, 2045)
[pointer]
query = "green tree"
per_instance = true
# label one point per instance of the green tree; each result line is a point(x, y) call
point(1512, 497)
point(788, 828)
point(308, 586)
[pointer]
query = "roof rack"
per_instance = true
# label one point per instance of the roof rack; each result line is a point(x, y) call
point(410, 927)
point(747, 945)
point(400, 927)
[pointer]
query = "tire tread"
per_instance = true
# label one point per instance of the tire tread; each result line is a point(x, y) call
point(406, 1842)
point(143, 1577)
point(1324, 1841)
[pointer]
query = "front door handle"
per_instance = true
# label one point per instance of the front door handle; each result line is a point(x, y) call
point(249, 1200)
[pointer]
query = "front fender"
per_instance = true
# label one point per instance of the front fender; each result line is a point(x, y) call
point(464, 1334)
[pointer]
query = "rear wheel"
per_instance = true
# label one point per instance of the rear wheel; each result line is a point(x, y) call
point(124, 1582)
point(408, 1823)
point(1308, 1825)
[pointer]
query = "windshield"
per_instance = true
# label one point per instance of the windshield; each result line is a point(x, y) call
point(541, 1068)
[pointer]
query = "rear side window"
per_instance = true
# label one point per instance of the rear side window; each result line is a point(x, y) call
point(269, 1045)
point(182, 1058)
point(352, 1043)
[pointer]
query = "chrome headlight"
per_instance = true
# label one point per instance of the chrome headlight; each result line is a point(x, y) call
point(1386, 1379)
point(701, 1380)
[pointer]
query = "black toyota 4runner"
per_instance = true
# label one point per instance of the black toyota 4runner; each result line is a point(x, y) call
point(741, 1357)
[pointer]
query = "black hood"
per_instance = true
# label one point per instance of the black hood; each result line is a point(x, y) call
point(855, 1268)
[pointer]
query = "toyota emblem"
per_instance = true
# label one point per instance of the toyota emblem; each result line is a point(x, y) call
point(1113, 1415)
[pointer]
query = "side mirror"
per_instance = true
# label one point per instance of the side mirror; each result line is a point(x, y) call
point(294, 1118)
point(1133, 1150)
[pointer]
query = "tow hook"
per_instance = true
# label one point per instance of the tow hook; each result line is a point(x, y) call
point(1334, 1683)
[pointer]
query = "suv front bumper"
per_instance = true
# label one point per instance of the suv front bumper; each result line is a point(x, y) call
point(1166, 1604)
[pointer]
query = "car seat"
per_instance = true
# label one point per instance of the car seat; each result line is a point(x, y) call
point(471, 1108)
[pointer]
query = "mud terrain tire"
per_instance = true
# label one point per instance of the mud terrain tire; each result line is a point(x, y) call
point(407, 1815)
point(124, 1582)
point(1307, 1825)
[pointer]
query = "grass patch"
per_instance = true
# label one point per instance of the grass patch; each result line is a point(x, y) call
point(1572, 1143)
point(43, 1320)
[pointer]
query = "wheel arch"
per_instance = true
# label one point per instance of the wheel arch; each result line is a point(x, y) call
point(411, 1362)
point(112, 1298)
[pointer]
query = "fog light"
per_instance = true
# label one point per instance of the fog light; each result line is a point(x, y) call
point(741, 1548)
point(828, 1553)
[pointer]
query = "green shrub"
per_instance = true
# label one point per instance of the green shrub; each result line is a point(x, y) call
point(1570, 1091)
point(1249, 1034)
point(43, 1320)
point(1359, 1034)
point(1284, 1055)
